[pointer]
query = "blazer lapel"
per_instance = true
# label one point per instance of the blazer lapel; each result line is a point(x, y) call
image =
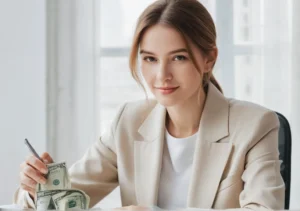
point(210, 157)
point(148, 156)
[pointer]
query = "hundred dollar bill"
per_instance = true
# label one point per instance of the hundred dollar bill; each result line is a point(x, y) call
point(62, 200)
point(57, 178)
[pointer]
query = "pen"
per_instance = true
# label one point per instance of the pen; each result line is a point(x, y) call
point(32, 150)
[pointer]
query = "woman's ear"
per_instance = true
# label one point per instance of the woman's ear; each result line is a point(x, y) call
point(211, 58)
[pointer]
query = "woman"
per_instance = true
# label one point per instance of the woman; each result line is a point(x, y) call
point(191, 146)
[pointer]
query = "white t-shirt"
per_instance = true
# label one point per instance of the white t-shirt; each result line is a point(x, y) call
point(176, 171)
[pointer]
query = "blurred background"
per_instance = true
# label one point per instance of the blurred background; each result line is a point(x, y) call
point(64, 72)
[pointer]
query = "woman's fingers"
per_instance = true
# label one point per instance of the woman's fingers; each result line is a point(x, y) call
point(37, 164)
point(34, 174)
point(32, 171)
point(25, 180)
point(29, 177)
point(47, 158)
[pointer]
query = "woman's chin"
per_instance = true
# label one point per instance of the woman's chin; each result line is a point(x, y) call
point(167, 102)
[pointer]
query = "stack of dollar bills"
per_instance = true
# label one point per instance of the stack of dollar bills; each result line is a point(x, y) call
point(57, 194)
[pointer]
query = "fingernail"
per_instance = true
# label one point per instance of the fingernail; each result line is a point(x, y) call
point(46, 161)
point(43, 181)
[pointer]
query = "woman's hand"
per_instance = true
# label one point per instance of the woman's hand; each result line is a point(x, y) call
point(32, 171)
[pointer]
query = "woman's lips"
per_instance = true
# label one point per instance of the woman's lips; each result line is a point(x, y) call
point(167, 90)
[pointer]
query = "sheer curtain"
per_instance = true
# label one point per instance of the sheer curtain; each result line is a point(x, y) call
point(88, 74)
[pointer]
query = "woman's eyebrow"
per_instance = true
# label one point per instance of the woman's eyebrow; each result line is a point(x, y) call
point(171, 52)
point(179, 50)
point(146, 52)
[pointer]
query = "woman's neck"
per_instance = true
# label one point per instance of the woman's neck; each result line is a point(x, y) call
point(183, 120)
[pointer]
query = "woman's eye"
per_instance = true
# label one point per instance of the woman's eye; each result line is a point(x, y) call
point(150, 59)
point(180, 58)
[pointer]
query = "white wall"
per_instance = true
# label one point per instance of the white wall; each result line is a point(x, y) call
point(22, 87)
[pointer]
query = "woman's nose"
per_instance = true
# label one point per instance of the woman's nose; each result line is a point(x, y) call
point(164, 72)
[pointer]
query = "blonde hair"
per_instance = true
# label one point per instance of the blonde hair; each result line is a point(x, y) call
point(190, 18)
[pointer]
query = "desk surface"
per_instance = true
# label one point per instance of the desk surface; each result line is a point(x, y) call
point(16, 207)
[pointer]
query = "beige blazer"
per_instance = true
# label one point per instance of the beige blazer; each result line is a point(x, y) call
point(235, 165)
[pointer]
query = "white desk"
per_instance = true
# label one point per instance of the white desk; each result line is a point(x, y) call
point(16, 207)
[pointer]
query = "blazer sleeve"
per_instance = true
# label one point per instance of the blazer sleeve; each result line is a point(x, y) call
point(264, 187)
point(96, 173)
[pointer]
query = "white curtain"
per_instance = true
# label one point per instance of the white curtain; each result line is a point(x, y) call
point(88, 75)
point(71, 78)
point(73, 93)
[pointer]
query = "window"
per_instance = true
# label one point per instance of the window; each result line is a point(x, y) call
point(117, 19)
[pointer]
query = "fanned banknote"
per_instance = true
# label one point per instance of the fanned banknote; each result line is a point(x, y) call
point(57, 177)
point(44, 199)
point(69, 199)
point(62, 200)
point(57, 194)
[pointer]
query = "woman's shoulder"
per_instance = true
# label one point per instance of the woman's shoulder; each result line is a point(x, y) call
point(248, 109)
point(251, 118)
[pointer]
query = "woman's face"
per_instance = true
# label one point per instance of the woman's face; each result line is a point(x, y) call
point(167, 68)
